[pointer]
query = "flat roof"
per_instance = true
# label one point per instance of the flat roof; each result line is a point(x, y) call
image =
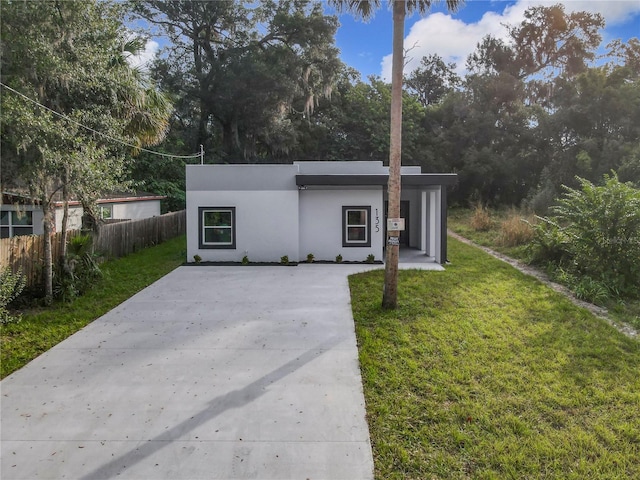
point(422, 179)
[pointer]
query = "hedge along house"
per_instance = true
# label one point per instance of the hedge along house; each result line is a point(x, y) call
point(318, 207)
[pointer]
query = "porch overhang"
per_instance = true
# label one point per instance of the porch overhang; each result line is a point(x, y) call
point(413, 180)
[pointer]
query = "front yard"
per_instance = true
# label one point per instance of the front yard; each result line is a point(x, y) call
point(484, 372)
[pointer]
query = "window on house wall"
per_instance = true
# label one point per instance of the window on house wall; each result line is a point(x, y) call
point(356, 226)
point(217, 227)
point(15, 223)
point(105, 211)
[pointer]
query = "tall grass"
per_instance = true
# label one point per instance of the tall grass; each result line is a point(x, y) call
point(481, 220)
point(516, 230)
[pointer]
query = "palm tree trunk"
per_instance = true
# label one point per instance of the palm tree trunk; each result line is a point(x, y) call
point(390, 293)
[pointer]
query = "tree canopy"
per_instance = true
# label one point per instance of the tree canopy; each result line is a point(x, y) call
point(67, 93)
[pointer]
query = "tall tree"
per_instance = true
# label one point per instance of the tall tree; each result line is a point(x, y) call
point(432, 80)
point(241, 68)
point(68, 90)
point(365, 9)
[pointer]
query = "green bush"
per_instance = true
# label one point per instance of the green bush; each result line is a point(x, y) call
point(11, 286)
point(79, 271)
point(595, 233)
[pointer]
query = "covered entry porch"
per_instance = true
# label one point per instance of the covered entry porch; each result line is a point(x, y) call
point(423, 205)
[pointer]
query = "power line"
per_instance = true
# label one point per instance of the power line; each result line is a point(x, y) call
point(195, 155)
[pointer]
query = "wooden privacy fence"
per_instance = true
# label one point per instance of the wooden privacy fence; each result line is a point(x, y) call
point(119, 239)
point(112, 241)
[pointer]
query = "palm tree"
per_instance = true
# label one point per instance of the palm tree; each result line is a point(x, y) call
point(364, 9)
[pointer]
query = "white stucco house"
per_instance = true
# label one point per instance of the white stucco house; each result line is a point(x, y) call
point(318, 207)
point(21, 215)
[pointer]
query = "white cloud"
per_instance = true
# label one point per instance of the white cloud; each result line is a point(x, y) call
point(143, 58)
point(454, 40)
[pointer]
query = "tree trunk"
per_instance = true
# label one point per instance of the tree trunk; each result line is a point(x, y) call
point(65, 219)
point(390, 293)
point(48, 257)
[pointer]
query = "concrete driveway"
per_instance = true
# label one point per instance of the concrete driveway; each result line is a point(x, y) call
point(210, 373)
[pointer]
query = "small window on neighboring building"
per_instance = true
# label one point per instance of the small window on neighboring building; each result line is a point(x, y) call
point(105, 212)
point(356, 226)
point(15, 223)
point(217, 227)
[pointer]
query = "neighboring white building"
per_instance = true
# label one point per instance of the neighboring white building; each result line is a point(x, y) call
point(20, 215)
point(323, 208)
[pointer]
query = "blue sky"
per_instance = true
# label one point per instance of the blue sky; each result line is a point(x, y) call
point(367, 46)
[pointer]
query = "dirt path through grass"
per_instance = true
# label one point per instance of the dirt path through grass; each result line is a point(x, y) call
point(599, 312)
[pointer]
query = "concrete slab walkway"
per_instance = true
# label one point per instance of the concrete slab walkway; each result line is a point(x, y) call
point(210, 373)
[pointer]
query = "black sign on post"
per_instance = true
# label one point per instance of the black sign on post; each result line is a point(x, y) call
point(393, 241)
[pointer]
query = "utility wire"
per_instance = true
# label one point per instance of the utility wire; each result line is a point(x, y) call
point(196, 155)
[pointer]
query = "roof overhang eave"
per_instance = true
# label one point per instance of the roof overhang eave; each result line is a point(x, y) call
point(424, 179)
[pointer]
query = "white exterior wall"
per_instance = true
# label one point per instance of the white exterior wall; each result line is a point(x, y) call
point(266, 225)
point(75, 218)
point(135, 210)
point(321, 223)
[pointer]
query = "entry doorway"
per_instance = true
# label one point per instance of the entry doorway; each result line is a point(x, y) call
point(404, 213)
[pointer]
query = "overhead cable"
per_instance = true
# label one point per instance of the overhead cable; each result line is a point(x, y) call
point(195, 155)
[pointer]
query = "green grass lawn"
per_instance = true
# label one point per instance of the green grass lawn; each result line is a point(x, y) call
point(620, 310)
point(41, 329)
point(486, 373)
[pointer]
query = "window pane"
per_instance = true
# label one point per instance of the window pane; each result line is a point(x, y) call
point(4, 219)
point(357, 234)
point(217, 235)
point(22, 231)
point(4, 232)
point(217, 219)
point(21, 218)
point(105, 212)
point(356, 217)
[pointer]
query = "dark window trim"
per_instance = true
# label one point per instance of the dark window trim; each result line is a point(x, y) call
point(8, 229)
point(201, 243)
point(344, 226)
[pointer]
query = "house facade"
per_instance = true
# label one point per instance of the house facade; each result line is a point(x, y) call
point(21, 215)
point(324, 208)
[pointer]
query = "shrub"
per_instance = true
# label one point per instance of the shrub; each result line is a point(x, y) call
point(197, 258)
point(338, 258)
point(595, 231)
point(591, 290)
point(371, 258)
point(284, 260)
point(515, 230)
point(11, 286)
point(245, 260)
point(310, 258)
point(78, 271)
point(481, 219)
point(550, 243)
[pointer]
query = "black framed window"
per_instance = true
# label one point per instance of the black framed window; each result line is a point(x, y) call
point(217, 227)
point(356, 226)
point(13, 223)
